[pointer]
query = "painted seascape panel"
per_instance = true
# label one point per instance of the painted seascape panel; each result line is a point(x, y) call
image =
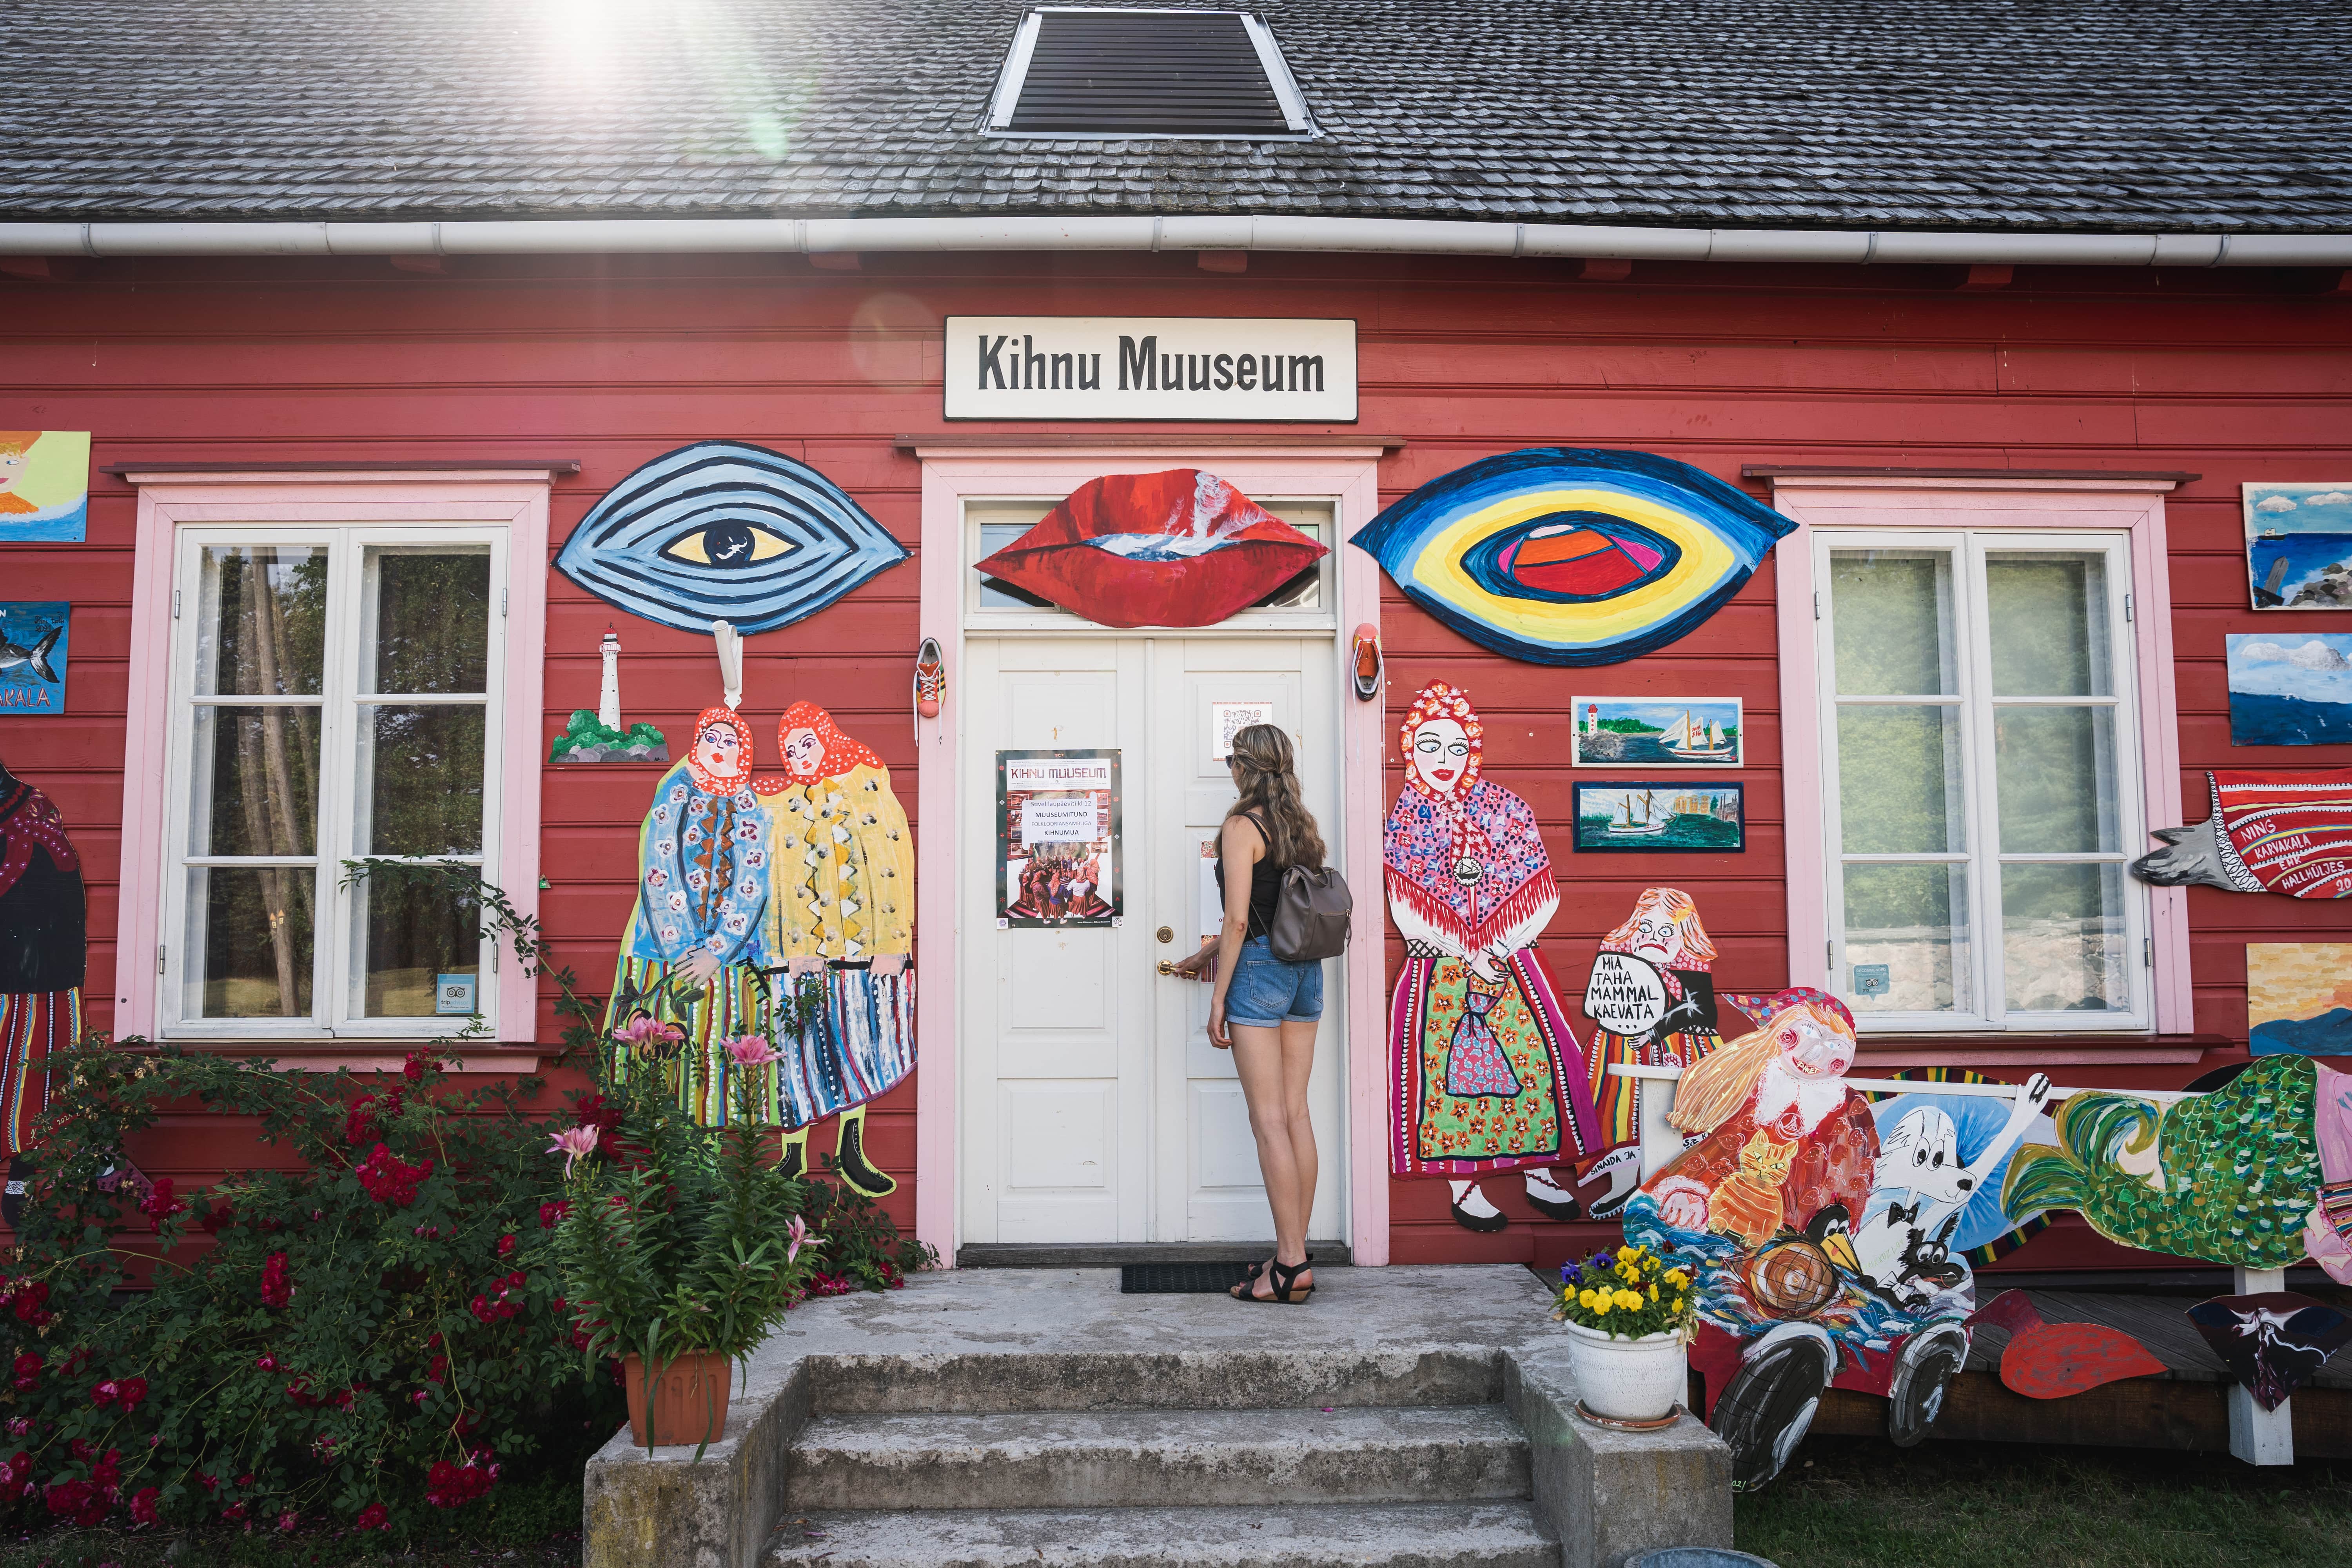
point(1658, 733)
point(2299, 545)
point(2290, 691)
point(1662, 815)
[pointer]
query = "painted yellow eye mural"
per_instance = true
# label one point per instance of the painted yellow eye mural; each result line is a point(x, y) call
point(727, 542)
point(1561, 556)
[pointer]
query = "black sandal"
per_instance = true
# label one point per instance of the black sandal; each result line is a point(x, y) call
point(1283, 1277)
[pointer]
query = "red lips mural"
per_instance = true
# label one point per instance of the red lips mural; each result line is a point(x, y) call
point(1176, 549)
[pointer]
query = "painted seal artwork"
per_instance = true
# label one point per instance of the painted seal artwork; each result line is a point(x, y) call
point(724, 531)
point(1486, 1075)
point(1182, 548)
point(2267, 832)
point(1563, 556)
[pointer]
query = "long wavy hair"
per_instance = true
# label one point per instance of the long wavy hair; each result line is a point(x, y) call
point(1714, 1090)
point(1269, 786)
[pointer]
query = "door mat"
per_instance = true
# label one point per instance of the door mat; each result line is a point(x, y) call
point(1180, 1279)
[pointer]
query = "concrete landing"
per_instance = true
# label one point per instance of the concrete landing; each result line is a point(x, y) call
point(975, 1408)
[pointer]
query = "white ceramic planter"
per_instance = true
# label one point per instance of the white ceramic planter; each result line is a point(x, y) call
point(1628, 1379)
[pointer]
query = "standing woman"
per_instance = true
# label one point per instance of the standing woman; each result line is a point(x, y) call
point(1266, 1011)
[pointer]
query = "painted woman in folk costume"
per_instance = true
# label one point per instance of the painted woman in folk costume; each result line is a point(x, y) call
point(693, 949)
point(1488, 1075)
point(841, 919)
point(1664, 933)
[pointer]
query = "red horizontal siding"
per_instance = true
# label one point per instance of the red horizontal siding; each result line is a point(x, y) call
point(2231, 375)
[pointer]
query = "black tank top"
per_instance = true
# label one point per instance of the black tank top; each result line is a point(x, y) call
point(1265, 881)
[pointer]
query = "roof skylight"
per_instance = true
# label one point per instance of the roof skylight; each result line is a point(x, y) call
point(1092, 72)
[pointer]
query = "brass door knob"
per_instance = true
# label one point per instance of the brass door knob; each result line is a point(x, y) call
point(1166, 935)
point(1168, 967)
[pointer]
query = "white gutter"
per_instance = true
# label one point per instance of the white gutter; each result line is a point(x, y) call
point(1393, 236)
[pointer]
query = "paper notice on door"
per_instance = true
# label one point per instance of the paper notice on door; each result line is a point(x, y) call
point(1212, 900)
point(1058, 839)
point(1057, 819)
point(1227, 718)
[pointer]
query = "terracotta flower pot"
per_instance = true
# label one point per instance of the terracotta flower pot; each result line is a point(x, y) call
point(690, 1398)
point(1628, 1379)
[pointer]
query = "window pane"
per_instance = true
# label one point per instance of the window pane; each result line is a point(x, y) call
point(256, 782)
point(429, 613)
point(260, 616)
point(2062, 938)
point(410, 936)
point(424, 780)
point(1913, 921)
point(1899, 786)
point(2055, 771)
point(1891, 613)
point(252, 926)
point(2049, 615)
point(1001, 522)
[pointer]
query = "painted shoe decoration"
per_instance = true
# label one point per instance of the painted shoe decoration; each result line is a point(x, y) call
point(1472, 1212)
point(849, 1159)
point(1367, 662)
point(930, 680)
point(1605, 1184)
point(1551, 1200)
point(791, 1155)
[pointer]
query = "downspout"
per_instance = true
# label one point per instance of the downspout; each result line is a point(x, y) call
point(1425, 237)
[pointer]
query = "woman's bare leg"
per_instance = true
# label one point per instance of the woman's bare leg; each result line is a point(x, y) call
point(1274, 1066)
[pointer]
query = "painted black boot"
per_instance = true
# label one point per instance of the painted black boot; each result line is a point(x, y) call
point(12, 1197)
point(792, 1159)
point(849, 1159)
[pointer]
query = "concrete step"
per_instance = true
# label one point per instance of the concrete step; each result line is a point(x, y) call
point(1358, 1535)
point(1255, 1377)
point(1143, 1459)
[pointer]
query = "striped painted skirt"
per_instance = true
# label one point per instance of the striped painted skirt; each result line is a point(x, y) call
point(33, 1024)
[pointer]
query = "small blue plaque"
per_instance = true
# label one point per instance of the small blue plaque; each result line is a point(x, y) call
point(453, 994)
point(1872, 980)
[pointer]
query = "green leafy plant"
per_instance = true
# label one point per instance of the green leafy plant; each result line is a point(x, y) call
point(1626, 1294)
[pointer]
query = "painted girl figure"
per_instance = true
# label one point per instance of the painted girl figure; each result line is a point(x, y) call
point(1673, 1025)
point(1488, 1075)
point(693, 949)
point(841, 922)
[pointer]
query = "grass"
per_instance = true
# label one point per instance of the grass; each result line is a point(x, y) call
point(1860, 1502)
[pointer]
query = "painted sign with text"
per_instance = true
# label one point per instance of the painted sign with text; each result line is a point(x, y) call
point(1149, 367)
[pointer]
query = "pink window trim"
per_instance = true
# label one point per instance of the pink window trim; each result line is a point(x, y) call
point(949, 476)
point(2047, 505)
point(169, 499)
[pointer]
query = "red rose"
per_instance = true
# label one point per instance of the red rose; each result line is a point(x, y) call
point(376, 1516)
point(130, 1392)
point(506, 1246)
point(278, 1279)
point(27, 1371)
point(160, 1205)
point(552, 1215)
point(143, 1505)
point(413, 1069)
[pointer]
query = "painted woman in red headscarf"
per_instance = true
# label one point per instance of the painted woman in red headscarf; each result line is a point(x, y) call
point(1488, 1075)
point(693, 944)
point(841, 911)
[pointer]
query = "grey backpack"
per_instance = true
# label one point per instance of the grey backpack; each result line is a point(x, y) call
point(1310, 915)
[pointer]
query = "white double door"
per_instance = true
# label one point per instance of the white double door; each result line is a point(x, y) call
point(1092, 1107)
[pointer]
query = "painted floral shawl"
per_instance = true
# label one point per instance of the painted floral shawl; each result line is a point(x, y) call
point(1427, 834)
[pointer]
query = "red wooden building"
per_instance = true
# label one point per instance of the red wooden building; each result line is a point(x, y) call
point(2008, 335)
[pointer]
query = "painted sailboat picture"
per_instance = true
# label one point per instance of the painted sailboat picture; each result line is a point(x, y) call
point(1657, 817)
point(2299, 545)
point(1657, 732)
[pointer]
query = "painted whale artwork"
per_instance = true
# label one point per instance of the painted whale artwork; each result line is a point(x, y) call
point(34, 638)
point(723, 531)
point(2266, 832)
point(1557, 555)
point(1181, 548)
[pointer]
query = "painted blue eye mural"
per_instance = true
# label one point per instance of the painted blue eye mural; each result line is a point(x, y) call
point(1561, 556)
point(724, 531)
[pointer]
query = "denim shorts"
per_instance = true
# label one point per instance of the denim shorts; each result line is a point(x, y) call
point(1266, 991)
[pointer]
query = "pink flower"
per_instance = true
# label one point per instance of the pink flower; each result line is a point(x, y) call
point(572, 1143)
point(798, 1230)
point(643, 1031)
point(750, 1050)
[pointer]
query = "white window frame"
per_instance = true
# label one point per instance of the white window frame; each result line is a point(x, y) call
point(180, 511)
point(1976, 703)
point(2026, 509)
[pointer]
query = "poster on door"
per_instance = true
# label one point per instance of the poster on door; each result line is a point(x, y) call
point(1058, 839)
